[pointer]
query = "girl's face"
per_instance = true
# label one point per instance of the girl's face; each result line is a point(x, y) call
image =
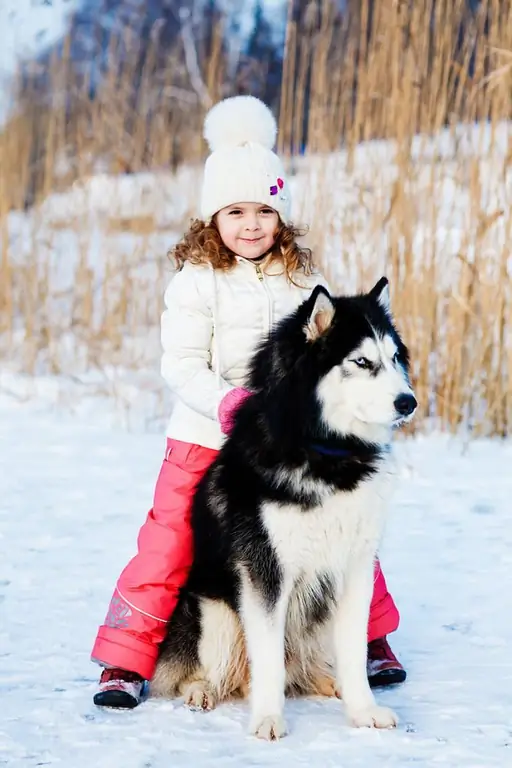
point(248, 229)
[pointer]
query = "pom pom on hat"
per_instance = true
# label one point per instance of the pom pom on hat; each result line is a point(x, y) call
point(240, 120)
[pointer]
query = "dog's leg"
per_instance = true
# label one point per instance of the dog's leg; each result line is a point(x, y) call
point(222, 657)
point(264, 627)
point(199, 695)
point(350, 646)
point(309, 667)
point(322, 684)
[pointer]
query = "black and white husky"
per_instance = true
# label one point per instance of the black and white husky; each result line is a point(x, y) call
point(287, 520)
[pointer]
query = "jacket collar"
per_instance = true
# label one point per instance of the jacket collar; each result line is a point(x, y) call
point(267, 266)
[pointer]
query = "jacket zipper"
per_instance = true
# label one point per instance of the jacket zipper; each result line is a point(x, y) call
point(260, 277)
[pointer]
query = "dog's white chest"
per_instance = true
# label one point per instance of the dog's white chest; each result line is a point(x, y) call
point(324, 540)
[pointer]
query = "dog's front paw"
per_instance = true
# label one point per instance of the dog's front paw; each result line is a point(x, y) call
point(200, 696)
point(373, 717)
point(270, 728)
point(325, 685)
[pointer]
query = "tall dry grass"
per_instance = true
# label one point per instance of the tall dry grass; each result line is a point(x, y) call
point(395, 130)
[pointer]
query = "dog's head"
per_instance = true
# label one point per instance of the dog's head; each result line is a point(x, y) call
point(341, 363)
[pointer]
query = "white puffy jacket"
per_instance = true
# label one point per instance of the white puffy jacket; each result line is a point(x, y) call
point(211, 325)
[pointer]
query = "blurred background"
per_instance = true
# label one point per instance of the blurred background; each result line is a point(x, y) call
point(395, 123)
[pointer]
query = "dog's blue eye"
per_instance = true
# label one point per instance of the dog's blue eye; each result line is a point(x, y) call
point(396, 358)
point(362, 362)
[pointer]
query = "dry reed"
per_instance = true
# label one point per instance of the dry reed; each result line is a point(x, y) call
point(406, 168)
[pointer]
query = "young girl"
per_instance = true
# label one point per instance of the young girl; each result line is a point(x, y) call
point(240, 271)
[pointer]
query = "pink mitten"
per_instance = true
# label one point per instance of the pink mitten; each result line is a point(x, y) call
point(229, 405)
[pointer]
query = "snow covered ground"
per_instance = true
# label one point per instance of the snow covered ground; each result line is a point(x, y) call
point(74, 490)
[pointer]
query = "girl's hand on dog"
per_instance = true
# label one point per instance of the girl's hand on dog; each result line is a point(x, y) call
point(229, 405)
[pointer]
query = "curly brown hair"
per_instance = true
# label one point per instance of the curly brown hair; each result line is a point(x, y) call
point(202, 244)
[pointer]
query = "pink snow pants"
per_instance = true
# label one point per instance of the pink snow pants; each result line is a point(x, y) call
point(147, 589)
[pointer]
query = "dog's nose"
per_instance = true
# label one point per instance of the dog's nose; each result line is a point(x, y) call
point(405, 404)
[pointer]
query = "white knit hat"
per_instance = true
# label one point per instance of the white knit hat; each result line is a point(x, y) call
point(241, 132)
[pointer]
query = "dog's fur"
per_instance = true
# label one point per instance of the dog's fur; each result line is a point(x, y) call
point(287, 520)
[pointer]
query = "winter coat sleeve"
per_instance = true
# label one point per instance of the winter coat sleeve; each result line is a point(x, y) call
point(321, 280)
point(316, 278)
point(187, 327)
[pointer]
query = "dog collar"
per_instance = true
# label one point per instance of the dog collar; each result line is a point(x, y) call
point(326, 451)
point(342, 453)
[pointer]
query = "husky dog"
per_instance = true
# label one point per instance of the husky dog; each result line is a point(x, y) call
point(287, 520)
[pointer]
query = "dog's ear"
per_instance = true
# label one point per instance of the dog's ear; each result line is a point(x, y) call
point(321, 313)
point(380, 294)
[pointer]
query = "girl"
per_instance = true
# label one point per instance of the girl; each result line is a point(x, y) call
point(240, 271)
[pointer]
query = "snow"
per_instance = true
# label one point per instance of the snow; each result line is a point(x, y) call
point(75, 489)
point(30, 26)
